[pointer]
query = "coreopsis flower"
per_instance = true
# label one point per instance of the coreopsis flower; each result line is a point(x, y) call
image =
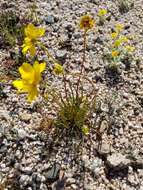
point(85, 130)
point(114, 35)
point(117, 43)
point(86, 22)
point(119, 27)
point(115, 53)
point(30, 78)
point(32, 34)
point(102, 12)
point(129, 48)
point(58, 69)
point(124, 39)
point(120, 41)
point(28, 46)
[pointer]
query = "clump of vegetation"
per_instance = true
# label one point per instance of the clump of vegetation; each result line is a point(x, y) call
point(11, 30)
point(102, 13)
point(119, 48)
point(125, 5)
point(73, 105)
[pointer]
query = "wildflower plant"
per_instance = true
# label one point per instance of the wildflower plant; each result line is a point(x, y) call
point(119, 47)
point(125, 5)
point(11, 28)
point(72, 104)
point(30, 78)
point(102, 16)
point(32, 35)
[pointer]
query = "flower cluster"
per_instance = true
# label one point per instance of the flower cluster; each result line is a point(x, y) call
point(32, 34)
point(31, 74)
point(30, 78)
point(120, 43)
point(86, 22)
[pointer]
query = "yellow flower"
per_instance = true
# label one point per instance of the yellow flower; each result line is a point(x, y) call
point(117, 43)
point(102, 12)
point(86, 22)
point(85, 130)
point(119, 27)
point(28, 46)
point(30, 78)
point(114, 35)
point(129, 48)
point(123, 39)
point(32, 34)
point(58, 69)
point(115, 53)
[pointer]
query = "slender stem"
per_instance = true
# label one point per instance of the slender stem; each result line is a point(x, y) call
point(65, 86)
point(47, 53)
point(82, 64)
point(55, 61)
point(84, 52)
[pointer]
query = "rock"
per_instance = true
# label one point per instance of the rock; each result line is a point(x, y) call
point(138, 161)
point(25, 180)
point(86, 161)
point(27, 170)
point(105, 148)
point(117, 161)
point(25, 117)
point(38, 177)
point(53, 173)
point(21, 133)
point(70, 181)
point(4, 114)
point(121, 131)
point(61, 55)
point(132, 180)
point(49, 19)
point(98, 40)
point(140, 172)
point(74, 186)
point(68, 26)
point(95, 166)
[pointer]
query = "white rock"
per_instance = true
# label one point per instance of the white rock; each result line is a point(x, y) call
point(25, 117)
point(117, 160)
point(21, 133)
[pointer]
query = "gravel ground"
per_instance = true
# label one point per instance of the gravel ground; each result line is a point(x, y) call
point(34, 160)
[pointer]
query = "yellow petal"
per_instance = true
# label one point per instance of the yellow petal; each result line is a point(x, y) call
point(32, 94)
point(25, 49)
point(86, 22)
point(36, 68)
point(18, 84)
point(115, 53)
point(32, 50)
point(119, 27)
point(27, 72)
point(130, 48)
point(102, 12)
point(42, 67)
point(58, 69)
point(29, 30)
point(114, 35)
point(27, 40)
point(33, 32)
point(124, 39)
point(41, 32)
point(117, 43)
